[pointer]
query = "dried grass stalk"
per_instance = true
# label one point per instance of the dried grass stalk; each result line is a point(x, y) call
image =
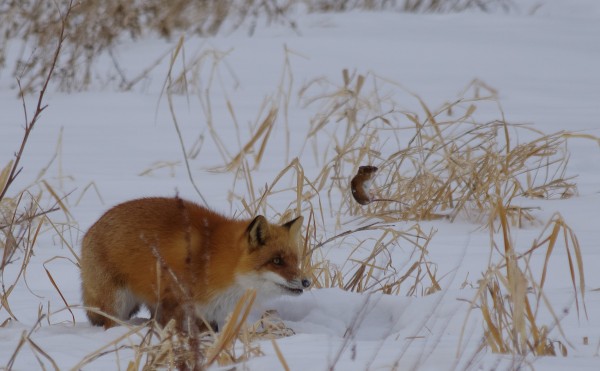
point(509, 297)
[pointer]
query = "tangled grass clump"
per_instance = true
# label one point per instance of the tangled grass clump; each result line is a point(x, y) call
point(432, 164)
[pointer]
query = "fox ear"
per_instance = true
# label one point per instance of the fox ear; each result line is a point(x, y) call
point(258, 232)
point(294, 226)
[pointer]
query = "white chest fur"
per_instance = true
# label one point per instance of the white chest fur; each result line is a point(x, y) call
point(265, 284)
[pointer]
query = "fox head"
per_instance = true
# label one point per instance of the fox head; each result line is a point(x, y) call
point(271, 264)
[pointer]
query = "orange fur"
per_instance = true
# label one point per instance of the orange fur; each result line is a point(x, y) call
point(205, 261)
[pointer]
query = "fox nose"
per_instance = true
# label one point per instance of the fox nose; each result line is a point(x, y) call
point(306, 282)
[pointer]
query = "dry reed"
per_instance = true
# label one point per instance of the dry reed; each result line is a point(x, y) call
point(510, 296)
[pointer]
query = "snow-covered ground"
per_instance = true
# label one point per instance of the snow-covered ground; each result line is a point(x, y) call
point(544, 67)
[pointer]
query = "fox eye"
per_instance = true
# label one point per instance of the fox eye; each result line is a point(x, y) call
point(277, 261)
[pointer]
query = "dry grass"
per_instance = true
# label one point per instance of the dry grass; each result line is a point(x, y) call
point(511, 295)
point(168, 347)
point(88, 37)
point(467, 168)
point(19, 235)
point(439, 163)
point(449, 165)
point(443, 163)
point(370, 267)
point(155, 347)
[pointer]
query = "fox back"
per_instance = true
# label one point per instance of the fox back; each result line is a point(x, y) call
point(184, 261)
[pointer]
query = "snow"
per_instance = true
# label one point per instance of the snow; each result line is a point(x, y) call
point(544, 66)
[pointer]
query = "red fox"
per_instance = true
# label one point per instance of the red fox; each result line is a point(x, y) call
point(164, 252)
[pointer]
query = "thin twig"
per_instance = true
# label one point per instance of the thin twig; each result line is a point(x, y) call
point(29, 125)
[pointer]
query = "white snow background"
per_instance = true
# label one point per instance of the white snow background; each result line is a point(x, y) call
point(545, 66)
